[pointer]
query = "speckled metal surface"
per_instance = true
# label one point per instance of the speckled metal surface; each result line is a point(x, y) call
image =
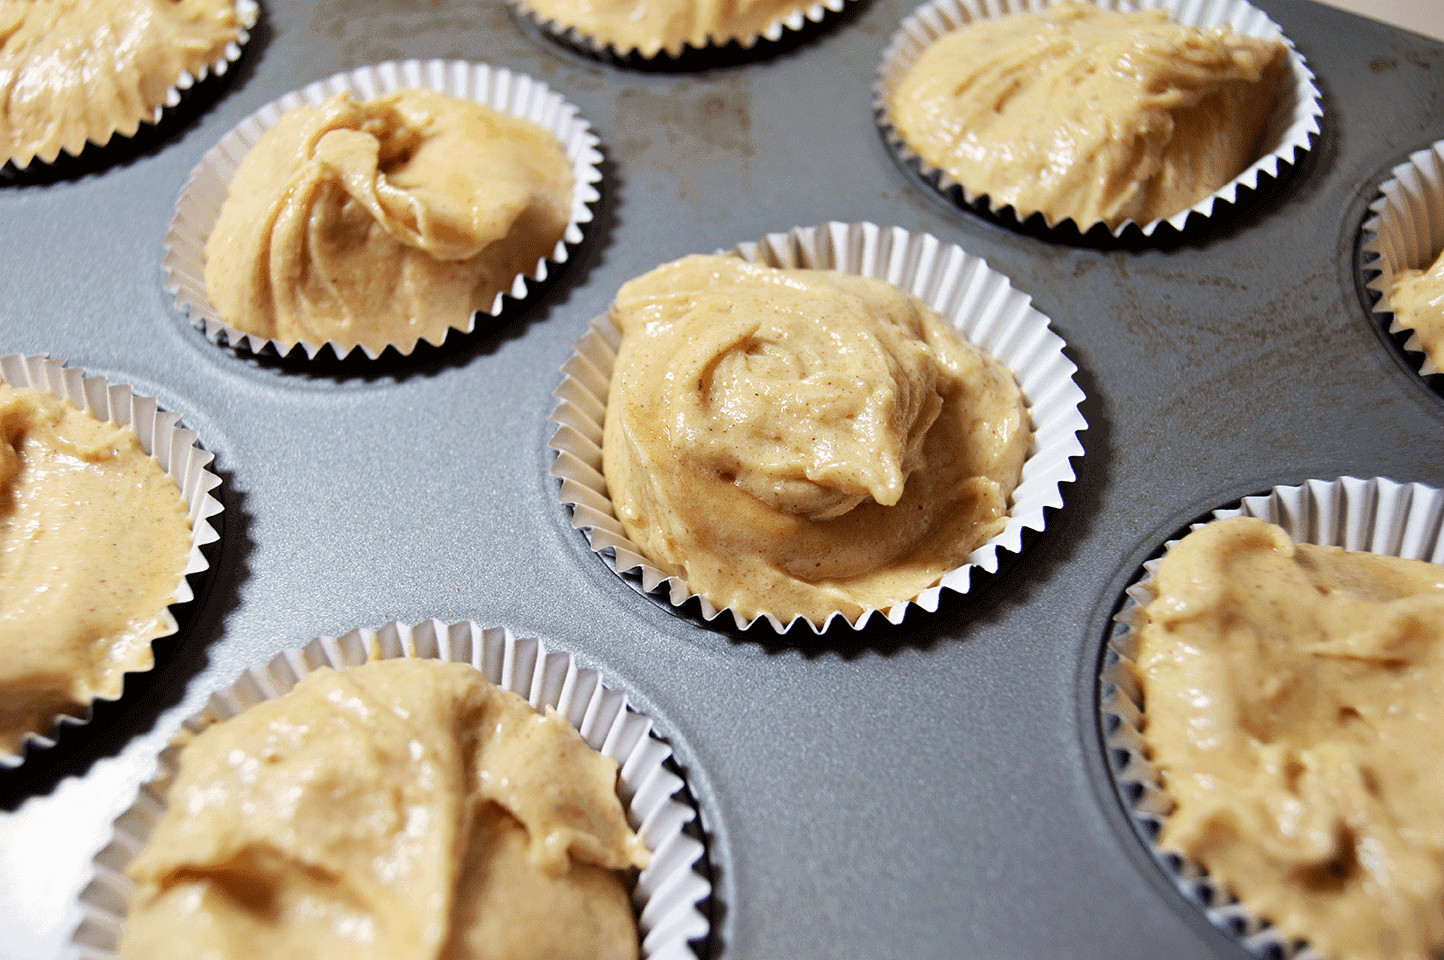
point(929, 790)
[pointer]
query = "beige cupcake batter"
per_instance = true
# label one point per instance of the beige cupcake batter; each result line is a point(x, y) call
point(1292, 703)
point(1089, 114)
point(94, 539)
point(652, 26)
point(803, 441)
point(78, 70)
point(401, 809)
point(386, 221)
point(1417, 299)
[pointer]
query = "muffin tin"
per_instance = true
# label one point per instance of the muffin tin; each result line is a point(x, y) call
point(931, 788)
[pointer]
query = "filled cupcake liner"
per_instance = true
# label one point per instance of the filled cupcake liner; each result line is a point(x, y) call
point(165, 441)
point(503, 90)
point(669, 895)
point(1288, 135)
point(1375, 515)
point(980, 303)
point(678, 54)
point(1405, 231)
point(247, 11)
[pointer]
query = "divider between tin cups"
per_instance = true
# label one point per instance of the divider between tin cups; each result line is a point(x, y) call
point(1376, 515)
point(1405, 231)
point(174, 448)
point(669, 895)
point(1289, 133)
point(976, 301)
point(514, 94)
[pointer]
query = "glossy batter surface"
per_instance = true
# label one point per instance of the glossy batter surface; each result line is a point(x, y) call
point(1084, 113)
point(78, 70)
point(94, 539)
point(397, 810)
point(386, 221)
point(1292, 700)
point(803, 441)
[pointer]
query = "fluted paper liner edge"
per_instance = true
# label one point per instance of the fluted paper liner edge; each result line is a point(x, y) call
point(577, 38)
point(1289, 133)
point(1377, 515)
point(668, 892)
point(162, 438)
point(977, 301)
point(503, 90)
point(1405, 231)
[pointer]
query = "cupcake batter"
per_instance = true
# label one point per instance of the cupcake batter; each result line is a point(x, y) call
point(1292, 703)
point(651, 26)
point(803, 441)
point(401, 809)
point(1417, 299)
point(1088, 114)
point(383, 222)
point(94, 539)
point(77, 70)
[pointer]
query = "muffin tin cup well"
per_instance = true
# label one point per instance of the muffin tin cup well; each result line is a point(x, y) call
point(173, 447)
point(670, 893)
point(247, 12)
point(1405, 231)
point(515, 94)
point(682, 55)
point(980, 303)
point(1376, 515)
point(1289, 134)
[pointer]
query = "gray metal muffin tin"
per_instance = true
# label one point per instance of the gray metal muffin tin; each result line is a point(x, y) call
point(930, 790)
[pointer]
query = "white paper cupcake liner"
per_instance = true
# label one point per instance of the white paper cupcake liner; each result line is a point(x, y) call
point(164, 440)
point(1376, 515)
point(247, 11)
point(1288, 135)
point(676, 54)
point(668, 893)
point(511, 93)
point(1405, 231)
point(979, 302)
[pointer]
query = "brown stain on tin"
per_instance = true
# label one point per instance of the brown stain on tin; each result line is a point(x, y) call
point(380, 29)
point(667, 129)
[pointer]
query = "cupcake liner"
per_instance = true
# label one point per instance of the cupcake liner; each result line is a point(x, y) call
point(677, 54)
point(247, 11)
point(977, 301)
point(1405, 231)
point(515, 94)
point(668, 893)
point(1376, 515)
point(164, 440)
point(1288, 135)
